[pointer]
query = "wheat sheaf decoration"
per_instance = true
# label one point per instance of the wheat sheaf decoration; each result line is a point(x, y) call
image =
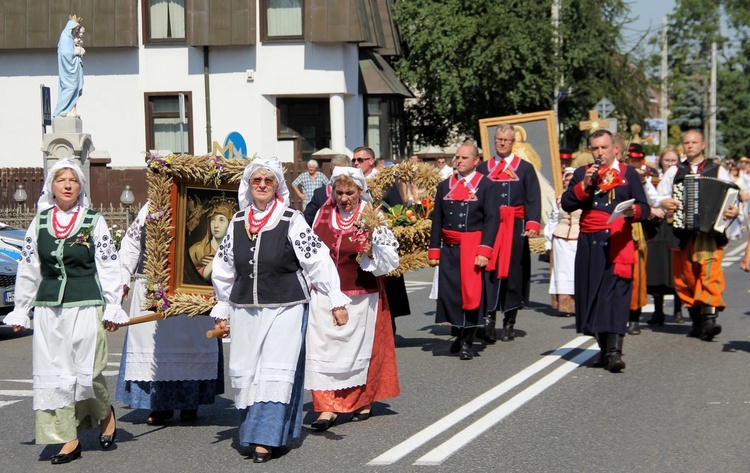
point(163, 170)
point(410, 224)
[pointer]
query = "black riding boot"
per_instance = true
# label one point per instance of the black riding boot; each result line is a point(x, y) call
point(695, 315)
point(601, 339)
point(467, 339)
point(614, 352)
point(709, 328)
point(487, 333)
point(509, 321)
point(634, 327)
point(658, 317)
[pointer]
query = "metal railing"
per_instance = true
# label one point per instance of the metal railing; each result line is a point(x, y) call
point(20, 216)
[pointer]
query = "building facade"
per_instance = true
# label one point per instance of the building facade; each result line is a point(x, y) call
point(283, 78)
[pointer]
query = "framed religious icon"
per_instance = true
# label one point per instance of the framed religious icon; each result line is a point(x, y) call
point(192, 200)
point(535, 142)
point(203, 216)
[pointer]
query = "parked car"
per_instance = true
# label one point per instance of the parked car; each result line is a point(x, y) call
point(11, 242)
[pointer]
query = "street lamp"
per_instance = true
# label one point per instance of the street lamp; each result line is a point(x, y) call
point(127, 198)
point(20, 196)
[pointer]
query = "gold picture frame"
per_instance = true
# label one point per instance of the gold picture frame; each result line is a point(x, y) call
point(170, 180)
point(541, 134)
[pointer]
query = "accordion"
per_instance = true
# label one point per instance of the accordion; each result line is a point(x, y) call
point(702, 202)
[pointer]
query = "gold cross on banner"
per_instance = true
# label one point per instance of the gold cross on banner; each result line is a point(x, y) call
point(593, 123)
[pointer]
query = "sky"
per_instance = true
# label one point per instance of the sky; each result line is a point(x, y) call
point(649, 13)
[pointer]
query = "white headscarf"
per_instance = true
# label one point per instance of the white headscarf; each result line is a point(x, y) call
point(47, 199)
point(357, 177)
point(245, 196)
point(568, 171)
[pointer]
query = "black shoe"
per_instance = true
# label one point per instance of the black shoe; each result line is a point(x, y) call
point(466, 354)
point(678, 318)
point(710, 328)
point(361, 416)
point(106, 441)
point(188, 415)
point(615, 364)
point(322, 424)
point(614, 352)
point(487, 333)
point(259, 457)
point(634, 328)
point(602, 361)
point(159, 417)
point(697, 318)
point(508, 333)
point(61, 458)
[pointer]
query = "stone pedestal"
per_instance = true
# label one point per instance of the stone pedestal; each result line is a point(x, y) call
point(67, 140)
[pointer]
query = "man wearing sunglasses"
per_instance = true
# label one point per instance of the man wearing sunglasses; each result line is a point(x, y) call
point(509, 271)
point(364, 159)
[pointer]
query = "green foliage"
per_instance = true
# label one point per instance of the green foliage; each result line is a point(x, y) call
point(472, 59)
point(694, 25)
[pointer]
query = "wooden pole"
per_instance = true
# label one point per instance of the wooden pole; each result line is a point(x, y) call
point(217, 333)
point(146, 318)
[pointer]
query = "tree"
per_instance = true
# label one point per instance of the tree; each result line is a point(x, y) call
point(472, 59)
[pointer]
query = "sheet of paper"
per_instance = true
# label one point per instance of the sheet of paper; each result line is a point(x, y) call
point(620, 209)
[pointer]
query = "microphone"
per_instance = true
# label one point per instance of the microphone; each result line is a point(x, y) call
point(595, 176)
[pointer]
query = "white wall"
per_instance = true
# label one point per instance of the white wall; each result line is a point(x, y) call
point(112, 105)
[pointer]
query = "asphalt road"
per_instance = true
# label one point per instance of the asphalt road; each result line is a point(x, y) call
point(530, 405)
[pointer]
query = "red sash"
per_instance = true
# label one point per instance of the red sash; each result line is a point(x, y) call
point(501, 253)
point(471, 275)
point(621, 246)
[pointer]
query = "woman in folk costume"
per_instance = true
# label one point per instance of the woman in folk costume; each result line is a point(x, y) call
point(68, 271)
point(261, 275)
point(561, 233)
point(351, 365)
point(168, 364)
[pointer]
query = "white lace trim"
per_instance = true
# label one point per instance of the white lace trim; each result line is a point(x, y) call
point(160, 371)
point(16, 317)
point(265, 391)
point(47, 399)
point(334, 382)
point(115, 314)
point(221, 310)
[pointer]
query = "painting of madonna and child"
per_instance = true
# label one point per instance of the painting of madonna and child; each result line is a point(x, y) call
point(207, 214)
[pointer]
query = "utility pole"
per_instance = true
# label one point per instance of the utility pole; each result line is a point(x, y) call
point(557, 43)
point(712, 109)
point(664, 136)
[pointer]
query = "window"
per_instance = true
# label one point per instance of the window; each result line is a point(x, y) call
point(374, 122)
point(164, 21)
point(163, 127)
point(305, 120)
point(282, 19)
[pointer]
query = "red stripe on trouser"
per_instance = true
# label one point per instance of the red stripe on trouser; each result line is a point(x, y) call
point(699, 283)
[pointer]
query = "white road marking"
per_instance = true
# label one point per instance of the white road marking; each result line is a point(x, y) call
point(736, 251)
point(414, 286)
point(29, 381)
point(16, 392)
point(8, 403)
point(438, 428)
point(111, 373)
point(467, 435)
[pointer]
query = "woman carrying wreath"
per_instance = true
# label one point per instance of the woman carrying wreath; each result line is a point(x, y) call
point(67, 273)
point(350, 365)
point(261, 275)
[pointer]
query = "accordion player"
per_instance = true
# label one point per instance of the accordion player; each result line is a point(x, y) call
point(702, 202)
